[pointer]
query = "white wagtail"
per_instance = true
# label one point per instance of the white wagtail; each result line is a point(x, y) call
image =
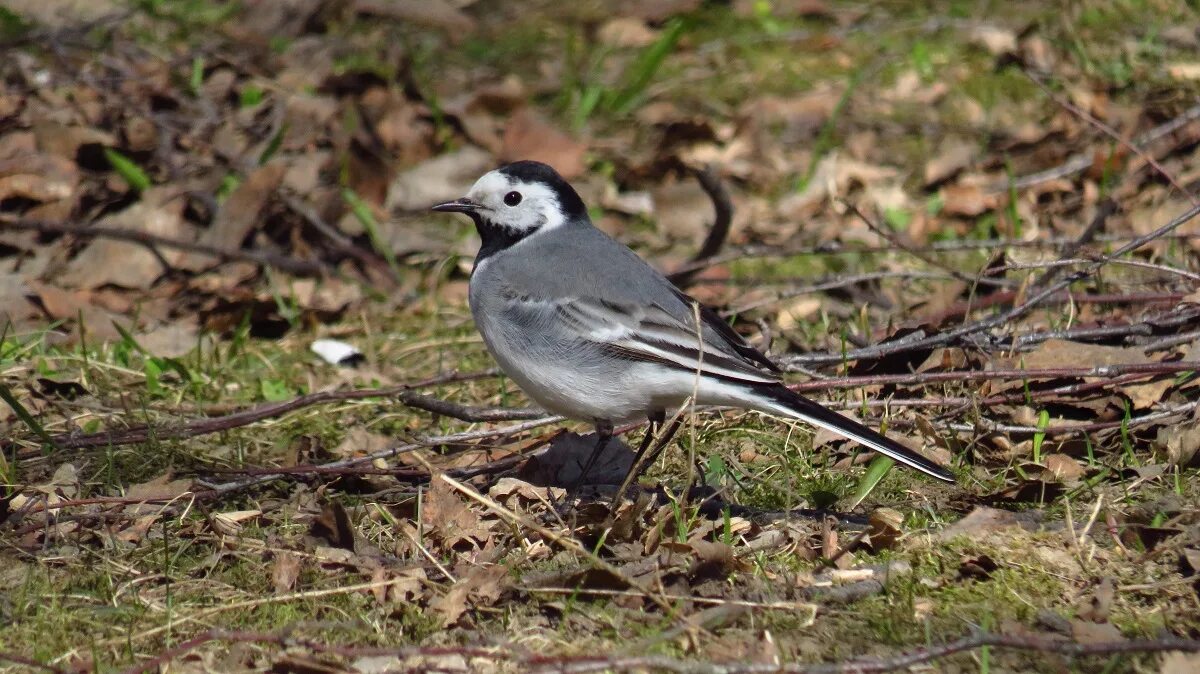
point(590, 331)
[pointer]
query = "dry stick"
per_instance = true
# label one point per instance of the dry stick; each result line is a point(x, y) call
point(581, 665)
point(1143, 328)
point(217, 424)
point(1083, 162)
point(341, 242)
point(844, 281)
point(1111, 133)
point(1168, 342)
point(265, 258)
point(985, 426)
point(1070, 261)
point(228, 487)
point(1018, 311)
point(895, 240)
point(251, 603)
point(492, 414)
point(764, 251)
point(29, 662)
point(1106, 209)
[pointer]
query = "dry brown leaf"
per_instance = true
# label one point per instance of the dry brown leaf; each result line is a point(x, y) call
point(439, 14)
point(996, 39)
point(137, 530)
point(832, 178)
point(285, 571)
point(954, 155)
point(239, 215)
point(1181, 441)
point(1145, 396)
point(980, 520)
point(445, 177)
point(230, 523)
point(333, 526)
point(1177, 662)
point(160, 488)
point(625, 31)
point(131, 265)
point(1189, 70)
point(965, 199)
point(528, 135)
point(1058, 353)
point(1085, 632)
point(447, 518)
point(479, 587)
point(1063, 467)
point(171, 340)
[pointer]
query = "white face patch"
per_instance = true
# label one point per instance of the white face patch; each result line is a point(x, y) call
point(537, 208)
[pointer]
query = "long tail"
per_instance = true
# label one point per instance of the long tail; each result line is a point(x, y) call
point(780, 400)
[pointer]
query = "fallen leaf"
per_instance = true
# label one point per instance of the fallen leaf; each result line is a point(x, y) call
point(285, 570)
point(996, 39)
point(447, 518)
point(480, 587)
point(530, 136)
point(1085, 632)
point(130, 265)
point(230, 523)
point(238, 215)
point(1178, 662)
point(980, 520)
point(625, 31)
point(333, 526)
point(1063, 467)
point(438, 14)
point(954, 155)
point(1097, 605)
point(171, 340)
point(1181, 441)
point(159, 488)
point(445, 177)
point(965, 199)
point(1058, 353)
point(1184, 71)
point(359, 441)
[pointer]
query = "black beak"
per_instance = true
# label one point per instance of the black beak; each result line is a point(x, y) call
point(463, 205)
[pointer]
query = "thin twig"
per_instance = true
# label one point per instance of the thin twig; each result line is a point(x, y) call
point(150, 241)
point(955, 246)
point(951, 336)
point(1111, 133)
point(1083, 162)
point(580, 664)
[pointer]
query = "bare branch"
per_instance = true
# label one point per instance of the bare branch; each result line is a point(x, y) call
point(152, 241)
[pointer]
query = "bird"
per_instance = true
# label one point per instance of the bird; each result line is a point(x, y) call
point(591, 331)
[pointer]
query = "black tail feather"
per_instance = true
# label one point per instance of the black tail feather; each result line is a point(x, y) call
point(793, 404)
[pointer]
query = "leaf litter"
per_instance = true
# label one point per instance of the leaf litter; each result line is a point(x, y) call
point(177, 232)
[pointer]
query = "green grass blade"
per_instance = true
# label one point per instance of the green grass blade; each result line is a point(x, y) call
point(363, 213)
point(129, 171)
point(25, 417)
point(876, 471)
point(639, 74)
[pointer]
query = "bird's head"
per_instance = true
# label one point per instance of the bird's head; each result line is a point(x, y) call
point(518, 200)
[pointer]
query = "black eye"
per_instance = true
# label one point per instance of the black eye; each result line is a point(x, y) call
point(512, 198)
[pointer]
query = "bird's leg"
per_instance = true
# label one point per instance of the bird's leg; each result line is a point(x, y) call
point(604, 433)
point(640, 461)
point(664, 439)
